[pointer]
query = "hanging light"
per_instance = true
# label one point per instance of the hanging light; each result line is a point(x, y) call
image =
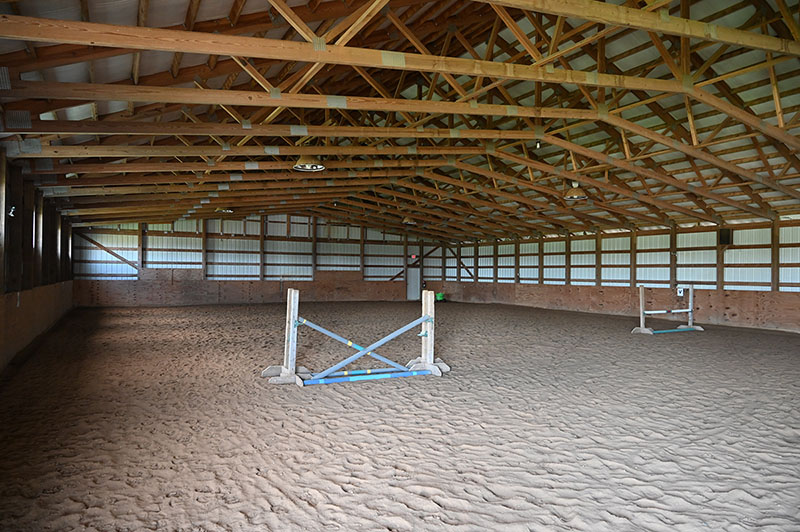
point(408, 221)
point(308, 163)
point(223, 210)
point(575, 193)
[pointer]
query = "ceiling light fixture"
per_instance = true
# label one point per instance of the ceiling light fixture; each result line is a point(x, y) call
point(575, 193)
point(223, 210)
point(308, 163)
point(538, 144)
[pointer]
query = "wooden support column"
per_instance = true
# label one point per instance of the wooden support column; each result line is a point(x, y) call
point(568, 259)
point(720, 265)
point(516, 261)
point(38, 255)
point(405, 260)
point(421, 260)
point(29, 220)
point(775, 244)
point(313, 247)
point(673, 256)
point(4, 208)
point(444, 262)
point(475, 262)
point(262, 246)
point(598, 259)
point(142, 244)
point(204, 246)
point(66, 259)
point(495, 260)
point(634, 237)
point(58, 249)
point(458, 263)
point(15, 230)
point(541, 259)
point(361, 259)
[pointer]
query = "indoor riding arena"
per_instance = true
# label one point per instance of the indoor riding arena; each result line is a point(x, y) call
point(400, 265)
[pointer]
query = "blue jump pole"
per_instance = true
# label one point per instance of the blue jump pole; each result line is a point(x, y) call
point(367, 377)
point(662, 331)
point(385, 339)
point(350, 343)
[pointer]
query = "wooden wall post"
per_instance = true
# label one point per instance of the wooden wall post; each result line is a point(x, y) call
point(444, 261)
point(541, 259)
point(313, 247)
point(141, 250)
point(673, 255)
point(362, 251)
point(720, 265)
point(14, 230)
point(38, 265)
point(567, 259)
point(495, 260)
point(458, 262)
point(405, 259)
point(29, 218)
point(203, 246)
point(4, 208)
point(516, 261)
point(476, 261)
point(775, 244)
point(598, 259)
point(634, 237)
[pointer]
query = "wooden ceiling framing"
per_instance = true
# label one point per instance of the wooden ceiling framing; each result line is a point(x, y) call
point(450, 119)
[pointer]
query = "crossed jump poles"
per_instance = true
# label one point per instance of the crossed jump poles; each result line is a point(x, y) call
point(289, 373)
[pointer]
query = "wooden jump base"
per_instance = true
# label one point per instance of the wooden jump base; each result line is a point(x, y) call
point(681, 328)
point(289, 373)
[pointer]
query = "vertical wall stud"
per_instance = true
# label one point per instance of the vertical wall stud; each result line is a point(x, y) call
point(598, 259)
point(673, 255)
point(775, 243)
point(4, 208)
point(476, 261)
point(516, 261)
point(632, 258)
point(262, 244)
point(495, 260)
point(568, 259)
point(203, 246)
point(541, 259)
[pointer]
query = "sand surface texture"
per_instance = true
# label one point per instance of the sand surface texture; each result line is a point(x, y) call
point(157, 419)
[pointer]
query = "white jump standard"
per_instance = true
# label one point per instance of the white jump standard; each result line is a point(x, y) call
point(681, 328)
point(288, 373)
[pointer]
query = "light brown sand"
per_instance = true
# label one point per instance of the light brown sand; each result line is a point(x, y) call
point(157, 419)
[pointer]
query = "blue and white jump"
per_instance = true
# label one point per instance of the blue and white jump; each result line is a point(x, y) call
point(289, 373)
point(690, 326)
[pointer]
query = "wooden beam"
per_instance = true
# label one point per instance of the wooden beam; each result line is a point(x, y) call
point(82, 92)
point(60, 152)
point(661, 22)
point(91, 127)
point(88, 33)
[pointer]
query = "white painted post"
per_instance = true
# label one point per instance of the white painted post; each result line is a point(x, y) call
point(290, 346)
point(641, 306)
point(288, 373)
point(641, 328)
point(426, 360)
point(428, 302)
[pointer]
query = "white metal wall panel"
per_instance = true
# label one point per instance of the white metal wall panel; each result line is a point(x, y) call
point(695, 240)
point(582, 259)
point(616, 243)
point(582, 245)
point(744, 237)
point(559, 246)
point(747, 256)
point(652, 242)
point(529, 247)
point(790, 235)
